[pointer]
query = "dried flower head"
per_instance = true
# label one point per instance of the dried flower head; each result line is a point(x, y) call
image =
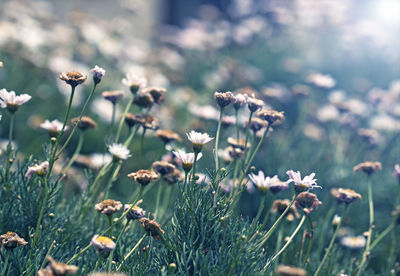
point(198, 140)
point(119, 151)
point(163, 167)
point(135, 213)
point(237, 143)
point(108, 207)
point(254, 104)
point(73, 78)
point(102, 244)
point(271, 116)
point(152, 227)
point(346, 196)
point(368, 167)
point(10, 240)
point(143, 177)
point(167, 136)
point(98, 74)
point(134, 82)
point(223, 98)
point(280, 205)
point(85, 123)
point(187, 159)
point(60, 269)
point(286, 270)
point(11, 101)
point(307, 202)
point(173, 177)
point(257, 124)
point(235, 153)
point(239, 100)
point(147, 121)
point(39, 169)
point(143, 99)
point(53, 127)
point(353, 242)
point(300, 185)
point(113, 96)
point(131, 120)
point(158, 94)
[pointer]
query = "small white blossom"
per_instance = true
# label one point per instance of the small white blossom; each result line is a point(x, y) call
point(11, 101)
point(321, 80)
point(98, 160)
point(263, 183)
point(98, 73)
point(308, 182)
point(187, 159)
point(119, 151)
point(53, 127)
point(198, 138)
point(134, 82)
point(39, 169)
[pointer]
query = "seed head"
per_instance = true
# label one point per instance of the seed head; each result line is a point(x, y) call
point(143, 99)
point(223, 98)
point(254, 104)
point(256, 124)
point(73, 78)
point(11, 240)
point(85, 123)
point(152, 227)
point(113, 96)
point(143, 177)
point(163, 167)
point(135, 213)
point(368, 167)
point(173, 177)
point(167, 136)
point(286, 270)
point(157, 93)
point(307, 202)
point(108, 207)
point(280, 205)
point(346, 196)
point(60, 269)
point(271, 116)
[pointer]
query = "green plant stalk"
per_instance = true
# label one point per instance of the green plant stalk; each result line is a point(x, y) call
point(167, 201)
point(194, 168)
point(121, 121)
point(110, 224)
point(328, 250)
point(10, 132)
point(9, 153)
point(237, 123)
point(323, 230)
point(388, 229)
point(247, 133)
point(3, 271)
point(79, 253)
point(260, 208)
point(287, 243)
point(371, 224)
point(142, 143)
point(48, 253)
point(273, 227)
point(99, 260)
point(159, 182)
point(80, 118)
point(217, 138)
point(310, 242)
point(131, 252)
point(76, 153)
point(110, 258)
point(393, 234)
point(114, 108)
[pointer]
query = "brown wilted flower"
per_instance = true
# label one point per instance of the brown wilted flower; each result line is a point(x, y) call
point(237, 143)
point(143, 177)
point(167, 136)
point(73, 78)
point(148, 122)
point(10, 240)
point(135, 213)
point(271, 116)
point(163, 167)
point(368, 167)
point(307, 202)
point(280, 205)
point(286, 270)
point(235, 153)
point(108, 207)
point(239, 100)
point(173, 177)
point(143, 99)
point(256, 124)
point(85, 123)
point(254, 104)
point(157, 93)
point(223, 98)
point(152, 227)
point(131, 120)
point(45, 272)
point(102, 244)
point(60, 269)
point(346, 196)
point(113, 96)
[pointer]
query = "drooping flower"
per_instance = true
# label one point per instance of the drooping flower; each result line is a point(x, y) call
point(85, 123)
point(198, 140)
point(279, 206)
point(167, 136)
point(119, 151)
point(163, 167)
point(152, 227)
point(108, 207)
point(307, 202)
point(102, 244)
point(11, 101)
point(263, 183)
point(346, 196)
point(113, 96)
point(39, 169)
point(11, 240)
point(98, 74)
point(143, 177)
point(308, 182)
point(144, 99)
point(53, 127)
point(135, 213)
point(134, 82)
point(254, 104)
point(157, 93)
point(73, 78)
point(187, 159)
point(368, 167)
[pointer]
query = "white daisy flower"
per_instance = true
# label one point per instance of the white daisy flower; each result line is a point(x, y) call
point(39, 169)
point(134, 82)
point(264, 183)
point(198, 139)
point(53, 127)
point(119, 151)
point(308, 182)
point(187, 159)
point(98, 73)
point(11, 101)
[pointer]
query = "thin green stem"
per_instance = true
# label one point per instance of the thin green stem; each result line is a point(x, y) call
point(237, 123)
point(217, 138)
point(328, 250)
point(158, 197)
point(287, 243)
point(99, 260)
point(10, 132)
point(382, 235)
point(131, 252)
point(121, 121)
point(3, 271)
point(48, 253)
point(79, 253)
point(76, 153)
point(260, 208)
point(114, 108)
point(247, 132)
point(194, 168)
point(110, 258)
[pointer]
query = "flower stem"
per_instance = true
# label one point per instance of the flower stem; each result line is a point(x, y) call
point(287, 243)
point(110, 258)
point(8, 253)
point(237, 124)
point(217, 138)
point(328, 250)
point(121, 121)
point(382, 235)
point(260, 208)
point(158, 197)
point(79, 253)
point(76, 153)
point(10, 133)
point(131, 252)
point(371, 224)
